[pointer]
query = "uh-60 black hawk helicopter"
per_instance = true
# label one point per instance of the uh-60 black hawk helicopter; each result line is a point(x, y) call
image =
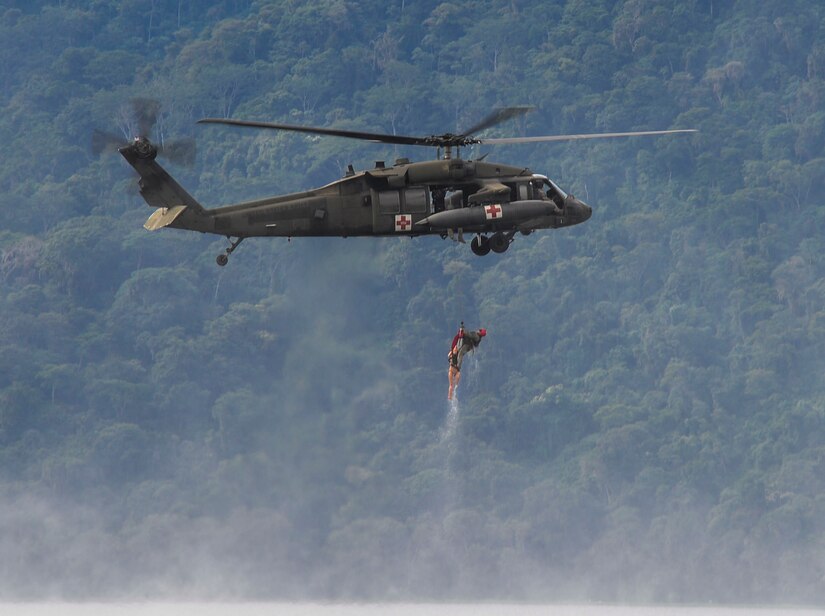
point(448, 196)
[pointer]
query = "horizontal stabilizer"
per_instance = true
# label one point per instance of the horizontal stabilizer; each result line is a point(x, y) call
point(163, 217)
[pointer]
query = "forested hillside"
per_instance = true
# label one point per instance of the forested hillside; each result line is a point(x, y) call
point(645, 420)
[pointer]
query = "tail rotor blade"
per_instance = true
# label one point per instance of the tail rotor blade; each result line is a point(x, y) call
point(103, 142)
point(181, 151)
point(146, 113)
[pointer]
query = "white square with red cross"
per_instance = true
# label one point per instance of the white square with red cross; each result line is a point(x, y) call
point(403, 223)
point(493, 211)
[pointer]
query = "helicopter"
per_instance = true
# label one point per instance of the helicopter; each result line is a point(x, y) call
point(448, 196)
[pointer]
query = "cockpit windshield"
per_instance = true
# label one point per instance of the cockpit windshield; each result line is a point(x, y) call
point(548, 190)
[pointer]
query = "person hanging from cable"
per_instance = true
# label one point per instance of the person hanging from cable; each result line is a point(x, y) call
point(457, 338)
point(452, 358)
point(463, 343)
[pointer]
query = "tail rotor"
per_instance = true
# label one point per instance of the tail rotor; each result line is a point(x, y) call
point(143, 117)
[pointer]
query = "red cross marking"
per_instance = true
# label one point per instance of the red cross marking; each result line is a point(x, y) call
point(492, 211)
point(402, 221)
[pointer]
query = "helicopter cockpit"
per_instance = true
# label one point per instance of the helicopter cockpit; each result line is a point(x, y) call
point(545, 188)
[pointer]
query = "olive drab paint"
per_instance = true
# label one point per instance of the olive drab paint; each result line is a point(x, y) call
point(449, 196)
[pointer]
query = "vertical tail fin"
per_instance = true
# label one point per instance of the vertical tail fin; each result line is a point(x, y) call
point(157, 187)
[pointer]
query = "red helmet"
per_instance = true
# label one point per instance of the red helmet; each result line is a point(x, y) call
point(482, 332)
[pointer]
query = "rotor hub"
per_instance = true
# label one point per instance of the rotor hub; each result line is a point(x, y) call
point(144, 148)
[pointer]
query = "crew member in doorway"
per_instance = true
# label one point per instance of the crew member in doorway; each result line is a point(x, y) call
point(463, 343)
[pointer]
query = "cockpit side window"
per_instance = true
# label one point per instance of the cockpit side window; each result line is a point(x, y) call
point(554, 193)
point(538, 190)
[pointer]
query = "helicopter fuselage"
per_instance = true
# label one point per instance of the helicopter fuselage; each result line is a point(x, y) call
point(447, 196)
point(440, 197)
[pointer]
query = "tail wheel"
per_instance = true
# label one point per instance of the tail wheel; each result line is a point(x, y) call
point(480, 245)
point(223, 258)
point(499, 242)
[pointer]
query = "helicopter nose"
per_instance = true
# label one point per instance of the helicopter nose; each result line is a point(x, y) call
point(577, 209)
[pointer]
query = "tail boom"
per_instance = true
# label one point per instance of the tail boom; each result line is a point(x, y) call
point(176, 207)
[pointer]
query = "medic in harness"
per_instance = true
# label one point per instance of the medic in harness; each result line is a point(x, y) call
point(463, 343)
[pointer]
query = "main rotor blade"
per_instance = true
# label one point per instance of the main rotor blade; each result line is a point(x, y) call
point(497, 117)
point(643, 133)
point(375, 137)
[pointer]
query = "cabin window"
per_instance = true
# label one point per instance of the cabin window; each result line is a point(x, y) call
point(389, 202)
point(415, 200)
point(523, 192)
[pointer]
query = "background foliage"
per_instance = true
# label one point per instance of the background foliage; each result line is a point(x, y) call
point(645, 421)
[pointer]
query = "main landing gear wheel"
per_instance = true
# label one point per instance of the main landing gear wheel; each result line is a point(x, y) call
point(499, 242)
point(480, 245)
point(223, 258)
